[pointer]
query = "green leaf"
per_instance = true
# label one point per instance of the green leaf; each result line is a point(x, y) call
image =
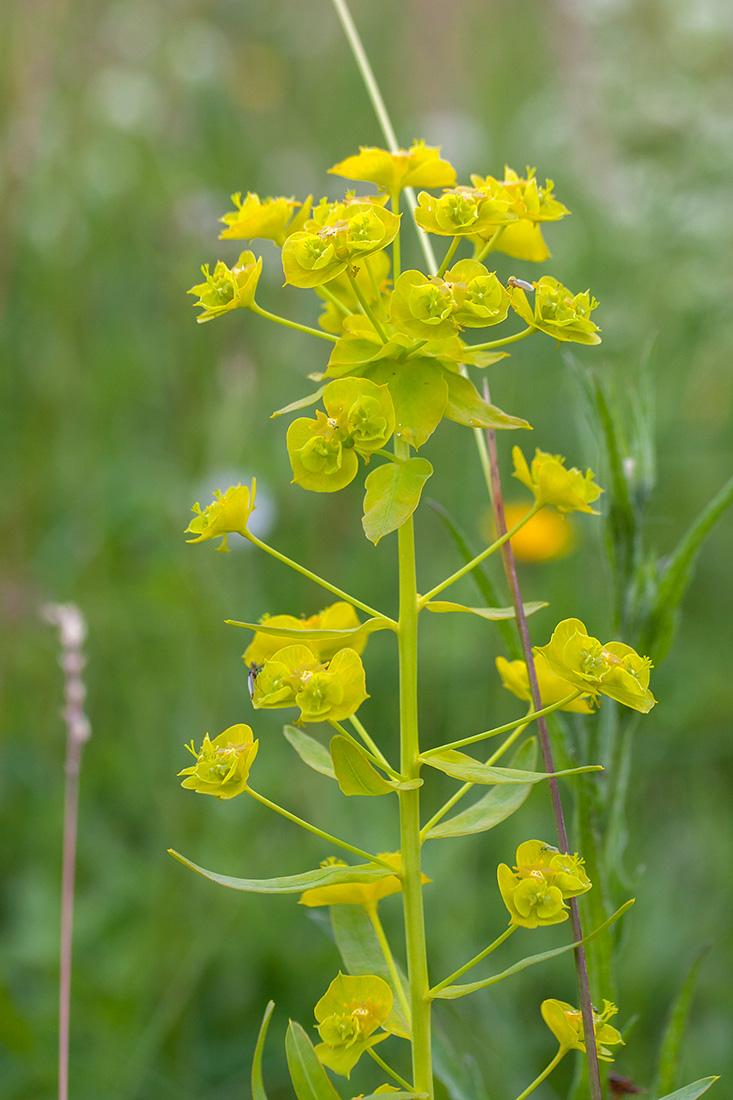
point(691, 1092)
point(492, 613)
point(361, 953)
point(258, 1085)
point(310, 1080)
point(495, 806)
point(454, 991)
point(657, 635)
point(301, 403)
point(292, 884)
point(310, 751)
point(316, 635)
point(392, 495)
point(669, 1053)
point(478, 575)
point(468, 770)
point(419, 394)
point(466, 406)
point(354, 774)
point(398, 1094)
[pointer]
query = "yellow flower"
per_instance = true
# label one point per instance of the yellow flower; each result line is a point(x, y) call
point(552, 688)
point(464, 211)
point(613, 669)
point(418, 166)
point(534, 892)
point(350, 231)
point(545, 537)
point(367, 894)
point(531, 204)
point(227, 289)
point(331, 690)
point(222, 765)
point(557, 311)
point(566, 1024)
point(348, 1014)
point(552, 483)
point(253, 218)
point(226, 515)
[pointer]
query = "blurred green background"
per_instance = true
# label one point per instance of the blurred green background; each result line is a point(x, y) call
point(125, 127)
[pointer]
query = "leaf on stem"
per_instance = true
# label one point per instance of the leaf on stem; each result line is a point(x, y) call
point(292, 884)
point(355, 774)
point(392, 495)
point(495, 806)
point(310, 751)
point(466, 406)
point(495, 614)
point(463, 767)
point(258, 1085)
point(310, 1080)
point(691, 1092)
point(345, 636)
point(454, 991)
point(419, 394)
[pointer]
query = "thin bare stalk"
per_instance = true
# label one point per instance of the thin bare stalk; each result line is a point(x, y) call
point(72, 629)
point(510, 568)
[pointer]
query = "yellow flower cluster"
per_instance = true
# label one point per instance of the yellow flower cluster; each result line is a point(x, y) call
point(294, 676)
point(222, 765)
point(566, 1024)
point(348, 1014)
point(535, 891)
point(226, 515)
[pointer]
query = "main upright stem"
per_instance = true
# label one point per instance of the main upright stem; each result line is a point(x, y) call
point(417, 965)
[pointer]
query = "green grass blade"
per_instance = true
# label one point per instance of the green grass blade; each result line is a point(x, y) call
point(258, 1085)
point(691, 1092)
point(669, 1051)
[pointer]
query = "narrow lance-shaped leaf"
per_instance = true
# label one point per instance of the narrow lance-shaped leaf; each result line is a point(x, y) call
point(354, 774)
point(669, 1053)
point(344, 636)
point(691, 1092)
point(494, 614)
point(461, 766)
point(466, 406)
point(452, 992)
point(392, 495)
point(258, 1085)
point(292, 884)
point(310, 1080)
point(495, 806)
point(310, 751)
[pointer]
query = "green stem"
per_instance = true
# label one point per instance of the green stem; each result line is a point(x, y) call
point(396, 243)
point(489, 246)
point(324, 292)
point(414, 350)
point(476, 959)
point(533, 714)
point(372, 88)
point(545, 1073)
point(462, 791)
point(385, 454)
point(507, 340)
point(318, 832)
point(389, 959)
point(318, 580)
point(368, 311)
point(368, 741)
point(479, 557)
point(448, 256)
point(387, 1069)
point(412, 898)
point(378, 296)
point(291, 324)
point(382, 764)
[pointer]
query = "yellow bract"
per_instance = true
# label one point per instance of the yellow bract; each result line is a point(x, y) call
point(226, 515)
point(557, 311)
point(535, 891)
point(348, 1014)
point(267, 220)
point(566, 1024)
point(324, 691)
point(418, 166)
point(339, 616)
point(613, 669)
point(228, 288)
point(552, 688)
point(553, 483)
point(531, 204)
point(222, 765)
